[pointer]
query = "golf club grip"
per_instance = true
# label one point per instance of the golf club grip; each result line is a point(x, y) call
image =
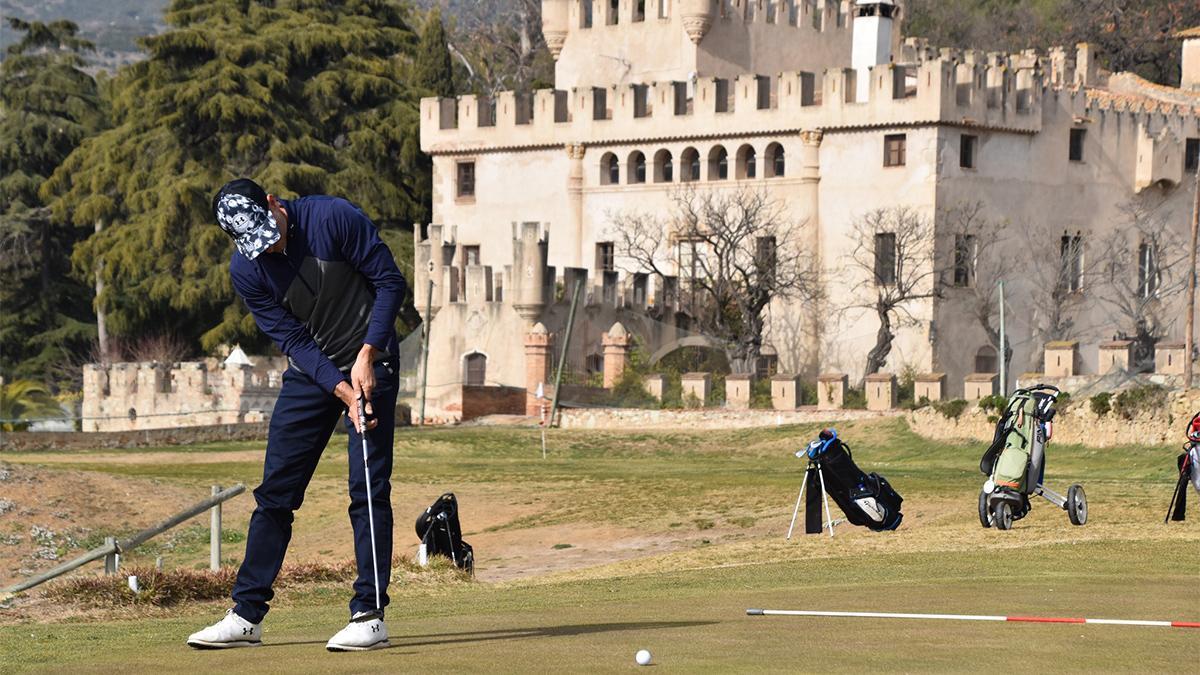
point(362, 415)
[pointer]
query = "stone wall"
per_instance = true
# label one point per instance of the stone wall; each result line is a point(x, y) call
point(480, 401)
point(1075, 425)
point(23, 441)
point(709, 418)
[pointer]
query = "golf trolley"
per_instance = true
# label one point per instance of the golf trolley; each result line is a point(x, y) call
point(1189, 472)
point(866, 499)
point(1015, 463)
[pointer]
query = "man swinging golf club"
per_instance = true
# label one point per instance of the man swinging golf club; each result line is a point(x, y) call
point(323, 286)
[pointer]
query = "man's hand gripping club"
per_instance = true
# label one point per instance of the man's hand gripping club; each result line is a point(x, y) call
point(356, 394)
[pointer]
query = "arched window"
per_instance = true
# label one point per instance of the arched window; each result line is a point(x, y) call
point(718, 163)
point(747, 163)
point(985, 359)
point(664, 170)
point(610, 169)
point(635, 172)
point(476, 367)
point(690, 165)
point(775, 164)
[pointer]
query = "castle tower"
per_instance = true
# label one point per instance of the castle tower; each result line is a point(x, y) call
point(872, 41)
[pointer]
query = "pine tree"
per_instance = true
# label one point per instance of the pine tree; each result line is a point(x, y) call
point(433, 70)
point(304, 96)
point(48, 104)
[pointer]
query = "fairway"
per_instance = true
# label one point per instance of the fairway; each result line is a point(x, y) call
point(624, 541)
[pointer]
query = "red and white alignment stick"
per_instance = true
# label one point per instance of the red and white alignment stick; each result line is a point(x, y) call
point(975, 617)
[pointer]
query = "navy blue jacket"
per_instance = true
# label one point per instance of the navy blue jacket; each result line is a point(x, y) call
point(335, 288)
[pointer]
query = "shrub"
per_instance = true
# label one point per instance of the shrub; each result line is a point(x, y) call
point(993, 403)
point(1101, 403)
point(1140, 399)
point(856, 399)
point(1063, 400)
point(629, 391)
point(760, 394)
point(952, 409)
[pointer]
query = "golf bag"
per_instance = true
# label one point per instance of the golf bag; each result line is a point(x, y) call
point(441, 534)
point(867, 499)
point(1189, 472)
point(1016, 457)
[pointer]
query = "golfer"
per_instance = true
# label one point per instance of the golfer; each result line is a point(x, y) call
point(324, 287)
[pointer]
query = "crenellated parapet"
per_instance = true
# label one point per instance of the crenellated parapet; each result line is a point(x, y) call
point(152, 395)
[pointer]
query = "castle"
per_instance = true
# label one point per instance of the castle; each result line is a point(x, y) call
point(829, 110)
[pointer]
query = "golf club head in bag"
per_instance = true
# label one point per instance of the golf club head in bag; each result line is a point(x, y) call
point(441, 534)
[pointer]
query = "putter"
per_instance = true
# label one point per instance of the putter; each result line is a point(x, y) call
point(362, 432)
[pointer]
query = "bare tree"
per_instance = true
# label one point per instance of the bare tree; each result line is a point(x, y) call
point(980, 264)
point(1058, 272)
point(1144, 268)
point(736, 252)
point(499, 44)
point(894, 257)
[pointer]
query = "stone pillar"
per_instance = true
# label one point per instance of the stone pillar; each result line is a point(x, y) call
point(831, 391)
point(930, 386)
point(530, 274)
point(785, 392)
point(978, 385)
point(575, 152)
point(1169, 358)
point(738, 390)
point(881, 391)
point(698, 385)
point(810, 212)
point(1060, 358)
point(539, 349)
point(655, 384)
point(1115, 356)
point(616, 345)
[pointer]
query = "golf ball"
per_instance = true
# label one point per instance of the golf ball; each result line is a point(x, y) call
point(642, 657)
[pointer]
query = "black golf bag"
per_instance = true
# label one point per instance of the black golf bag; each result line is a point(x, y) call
point(441, 534)
point(1189, 472)
point(867, 499)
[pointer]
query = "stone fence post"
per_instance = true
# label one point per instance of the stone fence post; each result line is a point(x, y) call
point(831, 391)
point(881, 391)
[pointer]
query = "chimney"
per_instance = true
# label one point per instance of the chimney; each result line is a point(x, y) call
point(872, 42)
point(1190, 78)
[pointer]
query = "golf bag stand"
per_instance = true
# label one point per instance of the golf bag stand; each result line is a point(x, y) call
point(814, 476)
point(1189, 472)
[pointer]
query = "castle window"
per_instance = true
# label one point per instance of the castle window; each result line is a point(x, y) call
point(895, 149)
point(1191, 155)
point(966, 151)
point(636, 171)
point(639, 10)
point(641, 100)
point(471, 255)
point(585, 14)
point(600, 104)
point(663, 9)
point(965, 251)
point(610, 169)
point(690, 165)
point(664, 169)
point(718, 163)
point(885, 258)
point(1148, 272)
point(985, 360)
point(724, 102)
point(476, 367)
point(747, 162)
point(614, 12)
point(594, 363)
point(793, 12)
point(1075, 154)
point(465, 185)
point(1070, 277)
point(605, 256)
point(775, 163)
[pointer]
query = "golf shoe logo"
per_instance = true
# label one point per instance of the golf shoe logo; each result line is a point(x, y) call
point(375, 628)
point(247, 631)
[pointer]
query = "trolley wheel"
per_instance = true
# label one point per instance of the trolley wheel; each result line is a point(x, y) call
point(1077, 505)
point(1002, 515)
point(985, 518)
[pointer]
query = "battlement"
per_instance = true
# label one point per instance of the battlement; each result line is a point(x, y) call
point(148, 395)
point(529, 285)
point(941, 90)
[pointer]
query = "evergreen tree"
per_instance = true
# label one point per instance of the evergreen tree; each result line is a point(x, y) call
point(48, 104)
point(305, 96)
point(433, 70)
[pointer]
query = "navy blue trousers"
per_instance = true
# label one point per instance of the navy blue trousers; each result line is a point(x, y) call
point(301, 424)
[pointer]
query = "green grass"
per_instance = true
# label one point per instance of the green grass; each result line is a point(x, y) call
point(687, 604)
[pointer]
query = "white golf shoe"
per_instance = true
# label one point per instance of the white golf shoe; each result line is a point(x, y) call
point(365, 631)
point(231, 631)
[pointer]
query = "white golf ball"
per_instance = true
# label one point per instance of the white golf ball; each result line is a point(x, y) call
point(642, 657)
